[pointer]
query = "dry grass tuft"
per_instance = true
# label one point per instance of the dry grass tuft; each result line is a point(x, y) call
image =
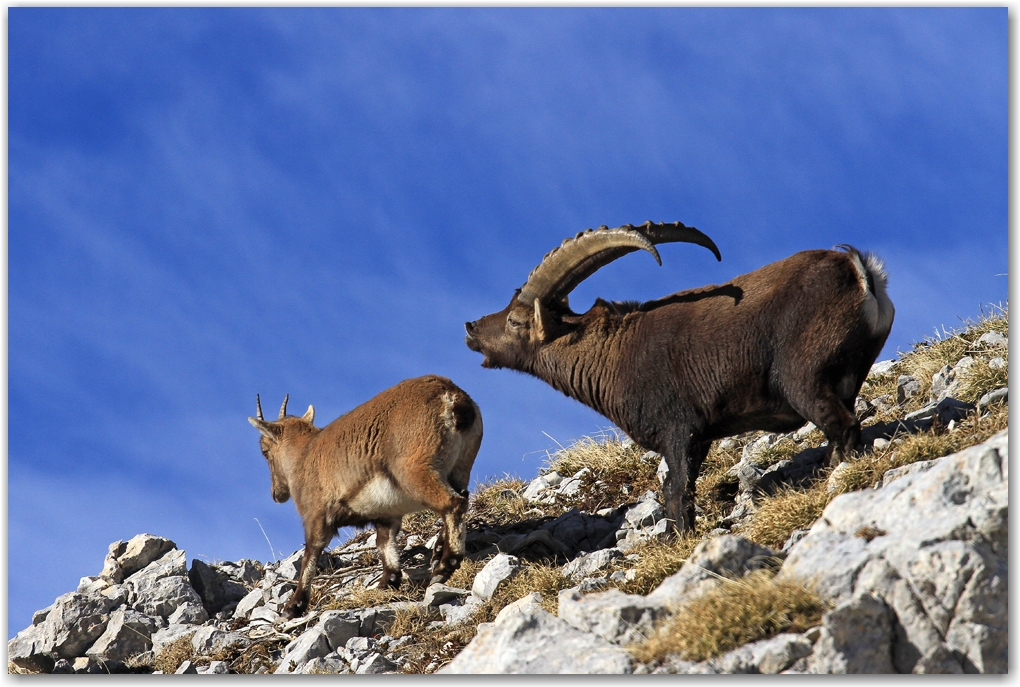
point(784, 449)
point(618, 471)
point(170, 658)
point(367, 597)
point(777, 516)
point(754, 607)
point(946, 348)
point(500, 502)
point(981, 378)
point(548, 580)
point(867, 470)
point(658, 560)
point(464, 576)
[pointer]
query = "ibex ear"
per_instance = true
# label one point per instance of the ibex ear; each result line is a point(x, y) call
point(541, 328)
point(268, 430)
point(309, 415)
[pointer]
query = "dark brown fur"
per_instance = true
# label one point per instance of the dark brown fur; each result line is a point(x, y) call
point(786, 343)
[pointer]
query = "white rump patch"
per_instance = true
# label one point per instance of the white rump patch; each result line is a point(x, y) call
point(878, 308)
point(448, 417)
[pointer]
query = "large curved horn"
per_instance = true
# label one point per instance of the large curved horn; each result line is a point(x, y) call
point(576, 259)
point(258, 406)
point(283, 408)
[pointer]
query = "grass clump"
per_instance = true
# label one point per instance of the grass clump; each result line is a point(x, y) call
point(867, 470)
point(619, 470)
point(657, 561)
point(500, 502)
point(947, 348)
point(777, 516)
point(170, 657)
point(754, 607)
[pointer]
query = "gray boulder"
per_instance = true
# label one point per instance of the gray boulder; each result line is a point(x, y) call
point(74, 623)
point(932, 545)
point(126, 558)
point(209, 640)
point(501, 568)
point(727, 555)
point(217, 587)
point(168, 635)
point(162, 586)
point(311, 644)
point(584, 566)
point(612, 615)
point(856, 637)
point(127, 634)
point(536, 642)
point(766, 656)
point(338, 627)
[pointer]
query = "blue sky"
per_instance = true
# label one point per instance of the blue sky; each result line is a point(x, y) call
point(205, 204)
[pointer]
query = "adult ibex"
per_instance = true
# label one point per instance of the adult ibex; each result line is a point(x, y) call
point(789, 342)
point(405, 450)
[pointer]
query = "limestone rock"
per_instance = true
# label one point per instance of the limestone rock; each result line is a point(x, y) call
point(906, 388)
point(727, 555)
point(209, 640)
point(162, 586)
point(127, 633)
point(217, 586)
point(126, 558)
point(501, 568)
point(74, 623)
point(932, 545)
point(439, 594)
point(585, 565)
point(612, 615)
point(536, 642)
point(856, 637)
point(311, 644)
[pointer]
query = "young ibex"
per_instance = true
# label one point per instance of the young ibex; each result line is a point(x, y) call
point(408, 449)
point(789, 342)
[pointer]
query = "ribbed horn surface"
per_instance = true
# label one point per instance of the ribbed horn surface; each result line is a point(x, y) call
point(577, 258)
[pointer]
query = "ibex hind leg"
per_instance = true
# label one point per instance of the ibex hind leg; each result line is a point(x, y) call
point(454, 541)
point(386, 543)
point(833, 415)
point(433, 492)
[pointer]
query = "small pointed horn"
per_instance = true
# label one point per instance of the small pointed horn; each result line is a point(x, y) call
point(258, 406)
point(566, 266)
point(283, 408)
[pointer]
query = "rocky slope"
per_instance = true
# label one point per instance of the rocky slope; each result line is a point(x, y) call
point(896, 561)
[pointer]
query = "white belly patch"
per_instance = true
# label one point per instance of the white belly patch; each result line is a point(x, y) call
point(382, 498)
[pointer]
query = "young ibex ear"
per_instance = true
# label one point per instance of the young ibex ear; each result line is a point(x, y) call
point(267, 429)
point(541, 328)
point(309, 415)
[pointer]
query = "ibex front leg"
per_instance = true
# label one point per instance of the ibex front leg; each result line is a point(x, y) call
point(315, 542)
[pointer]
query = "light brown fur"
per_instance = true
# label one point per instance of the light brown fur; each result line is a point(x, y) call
point(407, 449)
